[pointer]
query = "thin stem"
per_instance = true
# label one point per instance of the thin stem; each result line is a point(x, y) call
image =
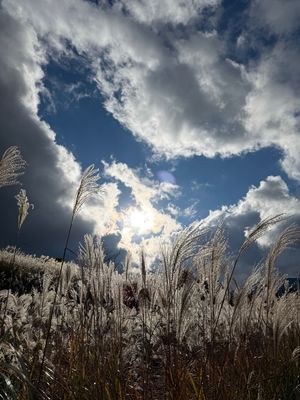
point(55, 299)
point(12, 264)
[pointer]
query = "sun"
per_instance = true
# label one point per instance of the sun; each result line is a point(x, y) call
point(141, 220)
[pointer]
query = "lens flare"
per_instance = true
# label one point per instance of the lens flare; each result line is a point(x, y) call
point(167, 177)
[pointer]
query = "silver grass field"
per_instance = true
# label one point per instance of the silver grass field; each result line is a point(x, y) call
point(186, 330)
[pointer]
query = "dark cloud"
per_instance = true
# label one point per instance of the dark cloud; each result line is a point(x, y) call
point(48, 185)
point(113, 252)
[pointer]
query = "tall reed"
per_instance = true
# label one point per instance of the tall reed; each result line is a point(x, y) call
point(88, 186)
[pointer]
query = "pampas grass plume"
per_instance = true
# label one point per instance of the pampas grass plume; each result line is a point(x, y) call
point(11, 166)
point(23, 205)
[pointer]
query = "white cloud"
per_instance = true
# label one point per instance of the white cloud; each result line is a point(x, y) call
point(144, 190)
point(178, 90)
point(142, 218)
point(190, 211)
point(167, 11)
point(272, 107)
point(270, 198)
point(103, 210)
point(195, 186)
point(173, 210)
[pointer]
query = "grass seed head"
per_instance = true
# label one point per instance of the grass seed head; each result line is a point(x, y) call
point(23, 205)
point(12, 165)
point(88, 187)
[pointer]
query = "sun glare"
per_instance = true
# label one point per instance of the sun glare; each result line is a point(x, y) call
point(141, 220)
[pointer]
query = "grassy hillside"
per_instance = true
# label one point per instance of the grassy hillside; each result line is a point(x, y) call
point(185, 331)
point(22, 272)
point(177, 333)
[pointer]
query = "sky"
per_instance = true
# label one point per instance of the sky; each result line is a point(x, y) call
point(190, 110)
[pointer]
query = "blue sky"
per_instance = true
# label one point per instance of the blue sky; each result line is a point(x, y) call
point(83, 125)
point(206, 91)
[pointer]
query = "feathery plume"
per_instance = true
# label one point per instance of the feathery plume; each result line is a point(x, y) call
point(88, 186)
point(11, 166)
point(296, 353)
point(23, 205)
point(259, 230)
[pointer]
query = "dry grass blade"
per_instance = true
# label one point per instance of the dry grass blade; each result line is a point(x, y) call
point(23, 205)
point(296, 353)
point(143, 267)
point(88, 186)
point(127, 265)
point(86, 252)
point(187, 245)
point(255, 234)
point(11, 166)
point(259, 230)
point(91, 253)
point(288, 237)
